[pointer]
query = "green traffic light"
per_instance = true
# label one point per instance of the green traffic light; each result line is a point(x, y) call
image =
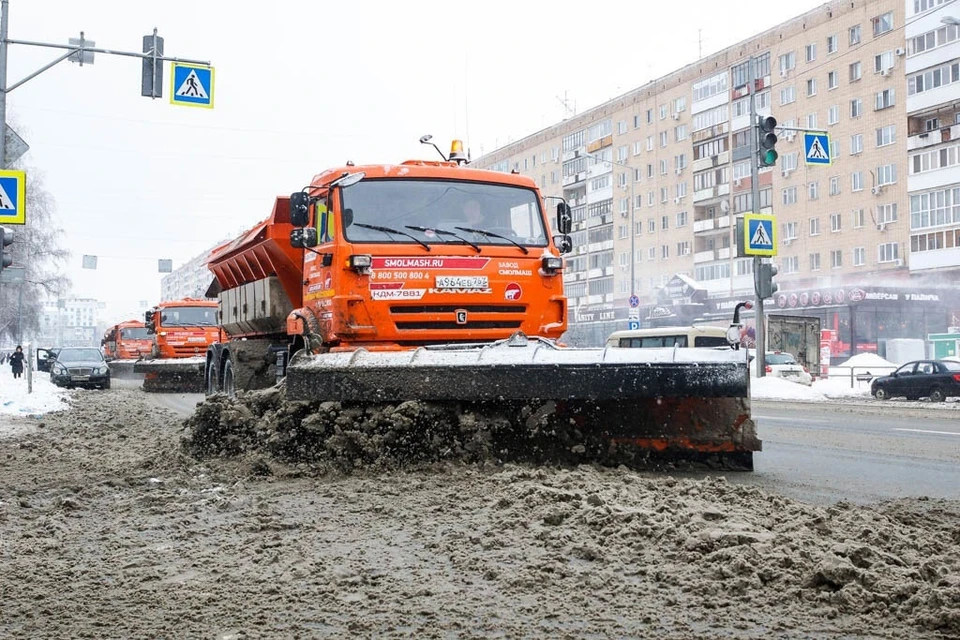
point(770, 157)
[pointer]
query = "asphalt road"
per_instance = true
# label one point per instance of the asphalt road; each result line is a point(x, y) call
point(825, 452)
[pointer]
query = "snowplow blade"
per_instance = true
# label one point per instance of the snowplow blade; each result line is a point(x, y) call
point(123, 369)
point(664, 403)
point(174, 375)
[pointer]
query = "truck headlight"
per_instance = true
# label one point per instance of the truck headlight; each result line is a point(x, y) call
point(552, 264)
point(361, 263)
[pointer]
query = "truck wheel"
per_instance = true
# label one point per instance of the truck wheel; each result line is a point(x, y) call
point(228, 383)
point(881, 394)
point(213, 378)
point(936, 395)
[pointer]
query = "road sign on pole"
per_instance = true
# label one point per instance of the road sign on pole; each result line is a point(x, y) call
point(15, 146)
point(759, 235)
point(191, 85)
point(633, 325)
point(151, 83)
point(816, 147)
point(13, 197)
point(634, 301)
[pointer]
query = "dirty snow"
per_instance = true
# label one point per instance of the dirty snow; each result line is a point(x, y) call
point(154, 543)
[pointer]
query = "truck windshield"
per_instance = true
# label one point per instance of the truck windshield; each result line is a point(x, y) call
point(134, 333)
point(424, 207)
point(189, 317)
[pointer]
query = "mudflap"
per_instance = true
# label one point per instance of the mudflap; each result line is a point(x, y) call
point(631, 406)
point(185, 375)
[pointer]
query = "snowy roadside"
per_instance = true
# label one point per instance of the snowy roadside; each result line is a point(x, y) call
point(20, 410)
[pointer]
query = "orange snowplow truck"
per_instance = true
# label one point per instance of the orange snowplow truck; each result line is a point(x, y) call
point(436, 282)
point(181, 331)
point(125, 343)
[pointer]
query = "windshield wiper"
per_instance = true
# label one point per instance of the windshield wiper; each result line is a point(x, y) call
point(491, 234)
point(444, 232)
point(377, 227)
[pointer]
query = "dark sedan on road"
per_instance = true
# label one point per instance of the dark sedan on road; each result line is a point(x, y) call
point(80, 367)
point(934, 379)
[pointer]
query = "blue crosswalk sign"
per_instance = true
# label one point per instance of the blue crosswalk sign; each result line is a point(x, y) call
point(759, 235)
point(13, 196)
point(816, 147)
point(191, 85)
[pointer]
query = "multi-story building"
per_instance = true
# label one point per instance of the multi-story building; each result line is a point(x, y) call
point(70, 322)
point(933, 130)
point(191, 280)
point(657, 177)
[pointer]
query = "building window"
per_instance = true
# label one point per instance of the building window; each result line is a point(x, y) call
point(650, 197)
point(680, 104)
point(882, 24)
point(887, 213)
point(681, 189)
point(856, 144)
point(789, 195)
point(933, 39)
point(832, 44)
point(636, 121)
point(885, 99)
point(814, 262)
point(622, 127)
point(945, 74)
point(649, 143)
point(888, 252)
point(833, 115)
point(811, 52)
point(858, 218)
point(834, 148)
point(664, 251)
point(663, 167)
point(649, 116)
point(886, 174)
point(931, 124)
point(788, 95)
point(680, 132)
point(813, 190)
point(663, 194)
point(788, 61)
point(683, 248)
point(682, 219)
point(854, 32)
point(664, 139)
point(859, 256)
point(856, 71)
point(836, 222)
point(637, 147)
point(790, 231)
point(883, 62)
point(886, 135)
point(832, 80)
point(814, 226)
point(811, 87)
point(663, 112)
point(791, 265)
point(835, 186)
point(856, 108)
point(652, 253)
point(788, 162)
point(856, 181)
point(836, 259)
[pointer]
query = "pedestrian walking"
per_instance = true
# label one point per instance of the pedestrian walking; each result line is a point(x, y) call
point(16, 362)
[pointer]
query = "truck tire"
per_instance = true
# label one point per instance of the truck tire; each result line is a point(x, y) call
point(213, 377)
point(229, 384)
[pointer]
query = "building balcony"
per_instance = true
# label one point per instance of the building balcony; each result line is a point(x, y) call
point(704, 256)
point(569, 181)
point(931, 138)
point(710, 132)
point(711, 161)
point(704, 225)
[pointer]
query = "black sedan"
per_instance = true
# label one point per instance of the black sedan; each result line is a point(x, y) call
point(934, 379)
point(80, 367)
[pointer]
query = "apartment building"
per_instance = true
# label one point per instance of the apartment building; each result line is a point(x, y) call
point(190, 280)
point(658, 176)
point(933, 130)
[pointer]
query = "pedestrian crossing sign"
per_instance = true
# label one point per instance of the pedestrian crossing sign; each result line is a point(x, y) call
point(759, 235)
point(13, 197)
point(816, 148)
point(191, 85)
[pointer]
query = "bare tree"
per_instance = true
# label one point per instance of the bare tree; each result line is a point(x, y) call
point(36, 247)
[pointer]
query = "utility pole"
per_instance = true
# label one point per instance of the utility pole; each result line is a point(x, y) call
point(760, 322)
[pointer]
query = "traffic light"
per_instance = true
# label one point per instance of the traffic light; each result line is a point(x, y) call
point(766, 287)
point(768, 141)
point(6, 238)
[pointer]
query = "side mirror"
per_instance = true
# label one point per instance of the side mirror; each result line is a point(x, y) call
point(304, 238)
point(564, 218)
point(148, 317)
point(299, 209)
point(564, 243)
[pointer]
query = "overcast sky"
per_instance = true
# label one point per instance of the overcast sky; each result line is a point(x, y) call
point(301, 86)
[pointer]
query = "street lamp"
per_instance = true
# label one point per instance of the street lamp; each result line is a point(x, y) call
point(950, 20)
point(633, 232)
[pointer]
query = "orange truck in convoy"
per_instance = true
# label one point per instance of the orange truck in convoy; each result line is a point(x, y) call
point(125, 343)
point(437, 282)
point(180, 332)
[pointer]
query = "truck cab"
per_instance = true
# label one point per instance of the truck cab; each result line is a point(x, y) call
point(127, 340)
point(182, 328)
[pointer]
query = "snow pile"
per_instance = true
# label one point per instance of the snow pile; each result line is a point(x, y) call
point(770, 388)
point(867, 360)
point(839, 387)
point(14, 399)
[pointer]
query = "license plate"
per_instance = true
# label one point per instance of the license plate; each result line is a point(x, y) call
point(462, 282)
point(79, 378)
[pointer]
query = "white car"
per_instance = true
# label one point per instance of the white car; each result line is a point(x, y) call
point(780, 364)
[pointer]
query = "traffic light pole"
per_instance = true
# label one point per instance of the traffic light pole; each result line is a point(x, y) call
point(760, 320)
